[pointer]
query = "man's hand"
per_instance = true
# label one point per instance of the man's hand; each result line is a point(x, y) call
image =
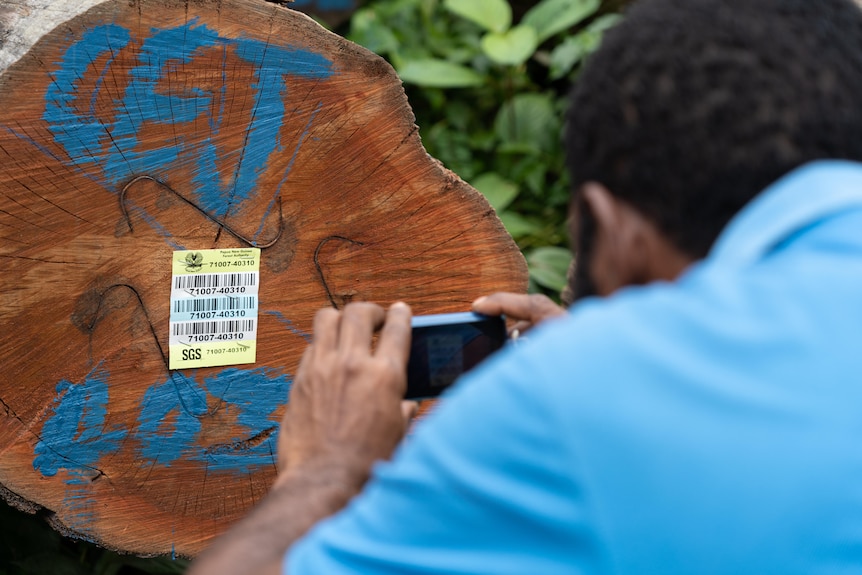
point(527, 310)
point(346, 401)
point(345, 413)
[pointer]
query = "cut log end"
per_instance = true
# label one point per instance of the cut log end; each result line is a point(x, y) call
point(133, 130)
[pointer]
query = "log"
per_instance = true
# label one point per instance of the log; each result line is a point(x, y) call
point(133, 136)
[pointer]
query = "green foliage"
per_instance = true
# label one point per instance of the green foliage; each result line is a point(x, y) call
point(551, 17)
point(548, 266)
point(439, 74)
point(512, 47)
point(489, 95)
point(498, 191)
point(492, 15)
point(573, 49)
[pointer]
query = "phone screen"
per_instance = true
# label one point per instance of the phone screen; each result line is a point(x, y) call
point(446, 345)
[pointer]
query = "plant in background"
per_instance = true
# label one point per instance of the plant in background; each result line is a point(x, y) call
point(489, 95)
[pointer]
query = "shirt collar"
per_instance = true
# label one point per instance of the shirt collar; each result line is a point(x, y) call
point(803, 197)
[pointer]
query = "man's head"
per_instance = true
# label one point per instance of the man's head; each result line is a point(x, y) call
point(692, 107)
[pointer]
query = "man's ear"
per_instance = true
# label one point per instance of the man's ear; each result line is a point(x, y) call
point(621, 251)
point(628, 248)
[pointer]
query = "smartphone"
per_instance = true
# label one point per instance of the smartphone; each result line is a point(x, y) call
point(446, 345)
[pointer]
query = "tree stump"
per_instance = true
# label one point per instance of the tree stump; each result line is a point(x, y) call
point(134, 129)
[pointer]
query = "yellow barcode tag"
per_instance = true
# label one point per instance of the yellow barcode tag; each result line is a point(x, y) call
point(214, 295)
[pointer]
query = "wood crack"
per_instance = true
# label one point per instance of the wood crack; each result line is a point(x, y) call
point(11, 412)
point(44, 261)
point(241, 445)
point(246, 138)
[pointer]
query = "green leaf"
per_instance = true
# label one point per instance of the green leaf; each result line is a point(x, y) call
point(575, 48)
point(439, 74)
point(528, 124)
point(492, 15)
point(497, 190)
point(550, 17)
point(510, 48)
point(604, 23)
point(548, 266)
point(367, 30)
point(566, 55)
point(518, 226)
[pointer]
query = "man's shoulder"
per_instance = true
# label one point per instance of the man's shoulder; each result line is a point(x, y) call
point(741, 324)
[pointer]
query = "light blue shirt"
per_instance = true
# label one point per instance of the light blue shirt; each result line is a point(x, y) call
point(709, 425)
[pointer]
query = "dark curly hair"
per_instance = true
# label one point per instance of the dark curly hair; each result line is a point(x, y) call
point(691, 107)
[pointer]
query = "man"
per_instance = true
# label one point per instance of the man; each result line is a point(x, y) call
point(703, 416)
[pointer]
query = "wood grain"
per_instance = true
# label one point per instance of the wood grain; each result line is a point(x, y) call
point(138, 128)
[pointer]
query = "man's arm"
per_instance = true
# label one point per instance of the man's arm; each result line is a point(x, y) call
point(295, 503)
point(488, 482)
point(345, 413)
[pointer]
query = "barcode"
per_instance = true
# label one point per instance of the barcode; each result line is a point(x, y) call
point(213, 304)
point(214, 280)
point(214, 327)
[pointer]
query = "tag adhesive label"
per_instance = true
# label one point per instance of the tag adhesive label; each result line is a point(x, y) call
point(214, 307)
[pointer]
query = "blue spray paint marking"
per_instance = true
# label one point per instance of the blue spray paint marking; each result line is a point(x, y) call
point(79, 502)
point(75, 437)
point(130, 206)
point(169, 426)
point(113, 145)
point(289, 325)
point(289, 168)
point(170, 420)
point(72, 130)
point(154, 224)
point(256, 394)
point(100, 79)
point(31, 141)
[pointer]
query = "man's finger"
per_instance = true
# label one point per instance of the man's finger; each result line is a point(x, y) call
point(326, 322)
point(519, 328)
point(359, 321)
point(394, 340)
point(409, 409)
point(303, 364)
point(513, 305)
point(533, 308)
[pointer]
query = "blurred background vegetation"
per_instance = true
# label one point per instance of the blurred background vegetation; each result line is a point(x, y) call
point(487, 80)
